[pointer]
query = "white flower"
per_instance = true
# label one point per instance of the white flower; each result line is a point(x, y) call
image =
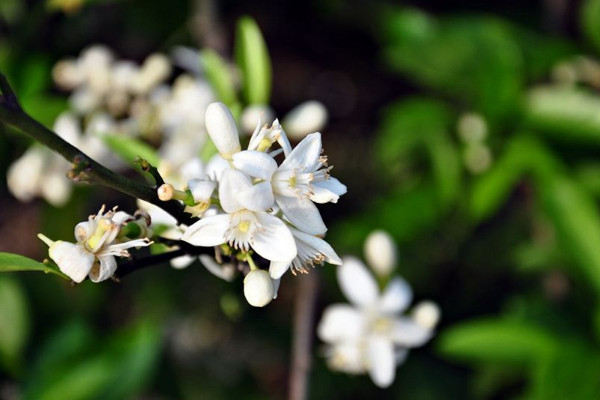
point(307, 117)
point(303, 177)
point(97, 245)
point(246, 224)
point(380, 252)
point(41, 172)
point(371, 336)
point(311, 250)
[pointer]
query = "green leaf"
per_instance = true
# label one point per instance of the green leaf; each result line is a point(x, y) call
point(497, 341)
point(420, 124)
point(74, 365)
point(253, 59)
point(523, 154)
point(136, 352)
point(566, 114)
point(589, 19)
point(571, 373)
point(575, 216)
point(220, 76)
point(129, 149)
point(474, 59)
point(13, 262)
point(14, 323)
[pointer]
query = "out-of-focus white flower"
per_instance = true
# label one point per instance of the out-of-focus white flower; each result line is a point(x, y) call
point(155, 70)
point(381, 253)
point(253, 113)
point(41, 172)
point(370, 335)
point(472, 128)
point(97, 245)
point(305, 118)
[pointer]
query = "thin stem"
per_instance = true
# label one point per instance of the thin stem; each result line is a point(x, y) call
point(304, 310)
point(134, 265)
point(85, 168)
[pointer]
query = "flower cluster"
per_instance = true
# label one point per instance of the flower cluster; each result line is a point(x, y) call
point(371, 335)
point(118, 98)
point(251, 204)
point(100, 239)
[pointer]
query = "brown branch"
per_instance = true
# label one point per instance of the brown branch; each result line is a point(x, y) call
point(304, 310)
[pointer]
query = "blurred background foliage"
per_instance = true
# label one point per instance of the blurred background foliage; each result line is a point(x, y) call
point(467, 129)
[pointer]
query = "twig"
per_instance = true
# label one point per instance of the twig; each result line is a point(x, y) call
point(85, 168)
point(304, 310)
point(136, 264)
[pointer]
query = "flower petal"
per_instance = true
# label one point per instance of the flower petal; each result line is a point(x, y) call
point(276, 284)
point(257, 197)
point(306, 155)
point(72, 259)
point(356, 282)
point(303, 214)
point(209, 231)
point(341, 322)
point(255, 163)
point(219, 270)
point(396, 297)
point(278, 268)
point(201, 189)
point(382, 360)
point(182, 261)
point(232, 183)
point(103, 270)
point(317, 245)
point(273, 240)
point(327, 191)
point(408, 333)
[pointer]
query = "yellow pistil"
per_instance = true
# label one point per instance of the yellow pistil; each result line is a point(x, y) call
point(244, 226)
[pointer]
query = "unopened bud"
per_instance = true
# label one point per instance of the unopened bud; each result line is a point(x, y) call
point(166, 192)
point(426, 314)
point(258, 288)
point(380, 252)
point(222, 129)
point(308, 117)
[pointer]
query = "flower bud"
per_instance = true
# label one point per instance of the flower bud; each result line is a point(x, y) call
point(252, 114)
point(165, 192)
point(258, 288)
point(308, 117)
point(222, 129)
point(381, 253)
point(426, 314)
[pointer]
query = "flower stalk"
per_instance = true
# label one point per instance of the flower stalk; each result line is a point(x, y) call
point(85, 168)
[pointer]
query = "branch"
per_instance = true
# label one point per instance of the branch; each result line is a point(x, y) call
point(85, 168)
point(137, 264)
point(304, 310)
